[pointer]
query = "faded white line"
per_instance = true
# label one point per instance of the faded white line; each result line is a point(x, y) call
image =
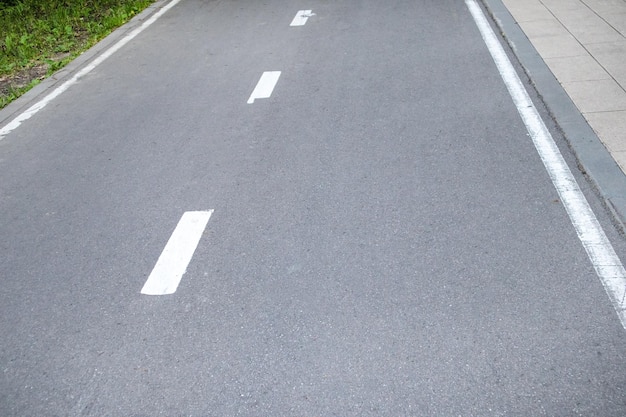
point(301, 17)
point(265, 86)
point(599, 249)
point(31, 111)
point(177, 254)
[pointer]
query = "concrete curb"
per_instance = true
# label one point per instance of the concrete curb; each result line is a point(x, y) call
point(35, 94)
point(594, 159)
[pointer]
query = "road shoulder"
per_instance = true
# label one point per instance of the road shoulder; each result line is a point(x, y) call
point(21, 104)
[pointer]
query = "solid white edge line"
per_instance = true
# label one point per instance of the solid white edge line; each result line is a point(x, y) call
point(605, 261)
point(31, 111)
point(265, 86)
point(173, 262)
point(301, 17)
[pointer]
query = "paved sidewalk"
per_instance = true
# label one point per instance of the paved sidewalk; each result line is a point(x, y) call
point(583, 42)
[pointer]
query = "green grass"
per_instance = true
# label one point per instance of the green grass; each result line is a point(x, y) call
point(44, 35)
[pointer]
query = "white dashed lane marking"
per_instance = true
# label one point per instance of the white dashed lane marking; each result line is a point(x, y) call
point(265, 86)
point(301, 17)
point(172, 263)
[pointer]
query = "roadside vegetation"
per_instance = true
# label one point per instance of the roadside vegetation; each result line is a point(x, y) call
point(38, 37)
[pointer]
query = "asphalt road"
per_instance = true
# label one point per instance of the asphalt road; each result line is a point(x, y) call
point(384, 240)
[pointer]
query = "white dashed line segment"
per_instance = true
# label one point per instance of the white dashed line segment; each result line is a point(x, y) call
point(301, 17)
point(605, 261)
point(177, 254)
point(265, 86)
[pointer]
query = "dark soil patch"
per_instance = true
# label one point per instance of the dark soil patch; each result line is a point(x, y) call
point(9, 83)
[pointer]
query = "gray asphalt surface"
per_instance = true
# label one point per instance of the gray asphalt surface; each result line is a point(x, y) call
point(385, 239)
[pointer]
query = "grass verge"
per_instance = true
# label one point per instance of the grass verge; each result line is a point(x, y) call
point(38, 37)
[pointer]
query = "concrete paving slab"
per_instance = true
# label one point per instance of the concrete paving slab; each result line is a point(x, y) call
point(588, 27)
point(608, 48)
point(603, 7)
point(611, 128)
point(526, 11)
point(612, 56)
point(546, 27)
point(564, 45)
point(579, 14)
point(596, 96)
point(577, 68)
point(617, 21)
point(560, 6)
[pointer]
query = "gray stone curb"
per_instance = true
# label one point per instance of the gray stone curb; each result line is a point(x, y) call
point(594, 159)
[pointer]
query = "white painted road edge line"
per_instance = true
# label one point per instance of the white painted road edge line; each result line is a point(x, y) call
point(265, 86)
point(301, 17)
point(599, 249)
point(30, 112)
point(177, 254)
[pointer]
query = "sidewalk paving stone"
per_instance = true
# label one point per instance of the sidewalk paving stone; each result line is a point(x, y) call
point(551, 39)
point(588, 28)
point(605, 6)
point(583, 42)
point(612, 56)
point(618, 21)
point(596, 95)
point(530, 10)
point(577, 68)
point(611, 125)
